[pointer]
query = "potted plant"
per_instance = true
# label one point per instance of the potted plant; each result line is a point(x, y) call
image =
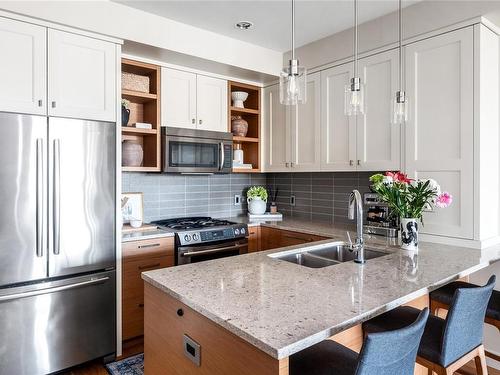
point(408, 198)
point(257, 200)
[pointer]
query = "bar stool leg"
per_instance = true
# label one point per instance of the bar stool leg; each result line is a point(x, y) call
point(480, 361)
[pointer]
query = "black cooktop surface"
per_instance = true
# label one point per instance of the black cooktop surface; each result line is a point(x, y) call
point(187, 223)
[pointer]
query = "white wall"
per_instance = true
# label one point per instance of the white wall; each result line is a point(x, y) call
point(420, 18)
point(124, 22)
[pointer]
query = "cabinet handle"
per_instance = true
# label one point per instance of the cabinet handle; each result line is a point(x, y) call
point(193, 121)
point(291, 164)
point(351, 162)
point(200, 122)
point(286, 165)
point(141, 305)
point(149, 245)
point(358, 162)
point(40, 103)
point(53, 104)
point(149, 266)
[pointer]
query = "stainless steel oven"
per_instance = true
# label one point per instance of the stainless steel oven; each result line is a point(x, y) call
point(196, 151)
point(200, 253)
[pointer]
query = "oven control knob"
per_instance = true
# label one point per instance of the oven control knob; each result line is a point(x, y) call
point(196, 237)
point(242, 230)
point(236, 231)
point(187, 237)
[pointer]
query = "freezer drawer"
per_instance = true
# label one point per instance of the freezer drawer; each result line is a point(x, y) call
point(51, 326)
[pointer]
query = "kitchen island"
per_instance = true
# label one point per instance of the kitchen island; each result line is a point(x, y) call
point(251, 312)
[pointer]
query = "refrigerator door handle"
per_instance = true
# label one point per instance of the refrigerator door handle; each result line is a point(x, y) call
point(57, 197)
point(39, 197)
point(10, 297)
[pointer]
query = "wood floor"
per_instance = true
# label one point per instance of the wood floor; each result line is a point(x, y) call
point(130, 348)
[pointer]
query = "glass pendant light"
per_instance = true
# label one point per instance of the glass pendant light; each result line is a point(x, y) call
point(293, 76)
point(355, 91)
point(400, 102)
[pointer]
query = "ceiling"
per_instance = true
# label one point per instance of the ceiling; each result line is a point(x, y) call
point(314, 19)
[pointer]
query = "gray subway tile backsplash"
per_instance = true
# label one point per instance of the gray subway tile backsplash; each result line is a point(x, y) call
point(318, 195)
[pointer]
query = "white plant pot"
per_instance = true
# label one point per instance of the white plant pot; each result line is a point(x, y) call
point(409, 234)
point(238, 98)
point(256, 206)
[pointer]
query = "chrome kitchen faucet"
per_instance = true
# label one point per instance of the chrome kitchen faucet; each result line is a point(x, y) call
point(358, 246)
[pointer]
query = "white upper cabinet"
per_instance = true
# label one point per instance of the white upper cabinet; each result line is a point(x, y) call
point(439, 132)
point(211, 100)
point(338, 131)
point(178, 98)
point(82, 77)
point(23, 67)
point(305, 128)
point(193, 101)
point(378, 140)
point(276, 132)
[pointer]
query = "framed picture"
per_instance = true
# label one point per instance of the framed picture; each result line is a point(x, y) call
point(132, 207)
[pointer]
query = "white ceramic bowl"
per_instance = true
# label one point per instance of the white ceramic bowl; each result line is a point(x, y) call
point(135, 223)
point(238, 98)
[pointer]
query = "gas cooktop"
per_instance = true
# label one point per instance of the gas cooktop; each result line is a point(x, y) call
point(197, 230)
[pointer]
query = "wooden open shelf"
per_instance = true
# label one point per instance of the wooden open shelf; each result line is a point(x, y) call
point(250, 144)
point(144, 107)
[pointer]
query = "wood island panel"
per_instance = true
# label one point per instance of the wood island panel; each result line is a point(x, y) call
point(222, 353)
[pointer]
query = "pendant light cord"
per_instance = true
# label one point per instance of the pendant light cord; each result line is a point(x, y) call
point(355, 38)
point(400, 26)
point(293, 29)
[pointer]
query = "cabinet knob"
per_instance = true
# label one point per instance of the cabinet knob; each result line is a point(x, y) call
point(40, 103)
point(193, 121)
point(53, 104)
point(200, 122)
point(180, 312)
point(291, 164)
point(286, 165)
point(351, 162)
point(358, 162)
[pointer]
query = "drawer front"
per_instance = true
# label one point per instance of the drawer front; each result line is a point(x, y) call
point(289, 238)
point(147, 248)
point(254, 239)
point(132, 269)
point(133, 291)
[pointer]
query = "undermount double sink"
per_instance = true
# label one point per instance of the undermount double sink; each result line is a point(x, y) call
point(324, 256)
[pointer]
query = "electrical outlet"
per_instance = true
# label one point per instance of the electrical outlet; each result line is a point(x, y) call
point(237, 200)
point(292, 200)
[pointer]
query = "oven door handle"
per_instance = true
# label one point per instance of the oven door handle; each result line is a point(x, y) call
point(221, 155)
point(211, 251)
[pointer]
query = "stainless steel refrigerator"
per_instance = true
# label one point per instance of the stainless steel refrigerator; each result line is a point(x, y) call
point(57, 243)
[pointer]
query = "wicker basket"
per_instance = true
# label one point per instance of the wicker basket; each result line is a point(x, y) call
point(135, 82)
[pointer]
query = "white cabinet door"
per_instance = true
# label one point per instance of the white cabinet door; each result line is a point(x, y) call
point(178, 98)
point(439, 133)
point(82, 77)
point(305, 128)
point(276, 140)
point(378, 140)
point(338, 131)
point(211, 94)
point(23, 68)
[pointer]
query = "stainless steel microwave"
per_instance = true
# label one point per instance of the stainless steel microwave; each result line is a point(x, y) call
point(196, 151)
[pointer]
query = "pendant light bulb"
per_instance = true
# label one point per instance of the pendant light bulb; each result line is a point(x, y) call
point(293, 76)
point(354, 97)
point(400, 102)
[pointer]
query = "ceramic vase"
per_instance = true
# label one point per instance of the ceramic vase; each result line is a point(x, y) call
point(132, 154)
point(256, 206)
point(238, 98)
point(239, 126)
point(125, 116)
point(409, 234)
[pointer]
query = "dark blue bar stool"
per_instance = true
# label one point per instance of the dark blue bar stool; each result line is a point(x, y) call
point(385, 353)
point(447, 344)
point(442, 298)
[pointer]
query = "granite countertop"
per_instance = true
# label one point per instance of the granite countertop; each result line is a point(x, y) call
point(146, 234)
point(282, 308)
